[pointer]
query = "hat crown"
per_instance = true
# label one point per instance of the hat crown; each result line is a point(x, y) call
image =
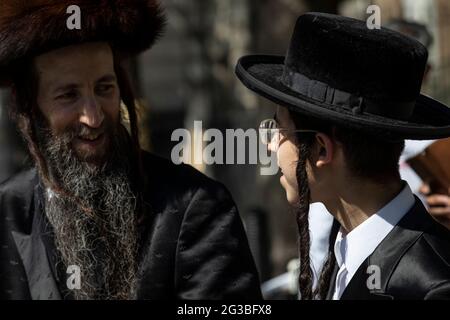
point(339, 71)
point(379, 64)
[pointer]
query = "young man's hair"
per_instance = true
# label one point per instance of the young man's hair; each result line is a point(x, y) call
point(366, 157)
point(25, 112)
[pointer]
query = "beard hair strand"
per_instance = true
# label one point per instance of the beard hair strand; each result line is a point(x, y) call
point(103, 246)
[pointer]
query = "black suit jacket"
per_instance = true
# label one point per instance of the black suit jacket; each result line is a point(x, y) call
point(413, 260)
point(194, 245)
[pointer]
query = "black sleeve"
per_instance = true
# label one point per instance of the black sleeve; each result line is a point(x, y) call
point(439, 292)
point(213, 258)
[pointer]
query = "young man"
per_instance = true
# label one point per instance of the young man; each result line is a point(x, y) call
point(348, 97)
point(97, 218)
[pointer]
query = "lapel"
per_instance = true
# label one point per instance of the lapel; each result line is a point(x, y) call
point(387, 255)
point(35, 256)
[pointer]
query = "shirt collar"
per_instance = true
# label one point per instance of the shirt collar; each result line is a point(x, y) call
point(352, 249)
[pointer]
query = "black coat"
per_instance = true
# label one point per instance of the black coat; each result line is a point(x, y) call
point(194, 245)
point(413, 260)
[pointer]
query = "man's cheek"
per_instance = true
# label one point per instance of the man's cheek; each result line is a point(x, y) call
point(112, 109)
point(62, 123)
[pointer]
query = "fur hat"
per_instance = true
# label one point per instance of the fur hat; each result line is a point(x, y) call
point(31, 27)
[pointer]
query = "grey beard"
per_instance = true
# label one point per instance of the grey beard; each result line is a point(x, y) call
point(94, 227)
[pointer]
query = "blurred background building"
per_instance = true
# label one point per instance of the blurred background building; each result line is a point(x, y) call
point(189, 76)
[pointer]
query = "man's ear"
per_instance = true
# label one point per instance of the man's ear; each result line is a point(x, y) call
point(325, 149)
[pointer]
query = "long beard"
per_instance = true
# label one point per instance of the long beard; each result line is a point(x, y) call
point(94, 227)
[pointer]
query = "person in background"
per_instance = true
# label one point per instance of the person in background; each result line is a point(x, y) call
point(95, 207)
point(438, 205)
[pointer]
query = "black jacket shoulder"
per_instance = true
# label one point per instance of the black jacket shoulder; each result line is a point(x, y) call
point(164, 171)
point(412, 263)
point(175, 184)
point(20, 183)
point(423, 272)
point(17, 193)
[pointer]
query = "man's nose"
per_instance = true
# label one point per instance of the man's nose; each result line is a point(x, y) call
point(92, 114)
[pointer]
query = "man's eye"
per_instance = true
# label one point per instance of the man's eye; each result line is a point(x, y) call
point(68, 96)
point(105, 88)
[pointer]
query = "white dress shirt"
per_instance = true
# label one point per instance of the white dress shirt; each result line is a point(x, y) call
point(352, 250)
point(320, 223)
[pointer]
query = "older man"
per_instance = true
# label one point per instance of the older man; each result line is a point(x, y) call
point(97, 218)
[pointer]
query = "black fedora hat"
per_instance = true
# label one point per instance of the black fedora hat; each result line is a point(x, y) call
point(338, 70)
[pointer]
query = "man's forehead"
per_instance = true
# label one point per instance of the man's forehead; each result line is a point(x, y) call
point(86, 59)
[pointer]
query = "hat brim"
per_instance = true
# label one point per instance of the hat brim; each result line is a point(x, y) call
point(262, 74)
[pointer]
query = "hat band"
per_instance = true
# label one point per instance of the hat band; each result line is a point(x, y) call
point(323, 93)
